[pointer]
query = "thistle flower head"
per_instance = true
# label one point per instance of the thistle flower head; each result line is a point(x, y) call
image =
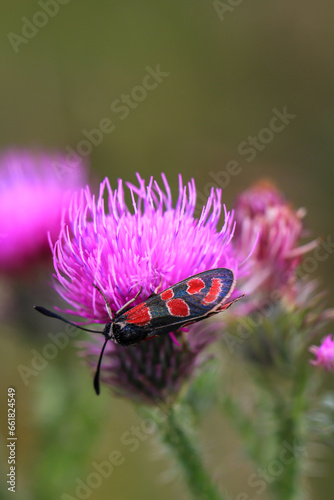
point(324, 353)
point(262, 214)
point(32, 198)
point(153, 245)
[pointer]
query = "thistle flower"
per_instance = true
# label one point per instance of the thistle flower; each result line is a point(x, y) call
point(32, 198)
point(153, 246)
point(324, 353)
point(262, 214)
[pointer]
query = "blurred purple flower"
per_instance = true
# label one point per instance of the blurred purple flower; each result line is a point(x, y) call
point(264, 216)
point(154, 245)
point(33, 192)
point(324, 353)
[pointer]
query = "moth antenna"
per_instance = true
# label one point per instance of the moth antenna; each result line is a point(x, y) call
point(51, 314)
point(98, 368)
point(109, 311)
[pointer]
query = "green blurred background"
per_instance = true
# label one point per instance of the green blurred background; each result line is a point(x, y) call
point(229, 67)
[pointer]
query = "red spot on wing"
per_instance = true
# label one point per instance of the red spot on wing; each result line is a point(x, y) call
point(195, 285)
point(178, 307)
point(167, 294)
point(139, 315)
point(213, 293)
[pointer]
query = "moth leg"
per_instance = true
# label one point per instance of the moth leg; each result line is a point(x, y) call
point(129, 302)
point(109, 311)
point(156, 290)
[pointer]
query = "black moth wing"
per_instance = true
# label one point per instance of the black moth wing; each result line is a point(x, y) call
point(188, 301)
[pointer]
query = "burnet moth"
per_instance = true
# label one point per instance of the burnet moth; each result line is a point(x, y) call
point(188, 301)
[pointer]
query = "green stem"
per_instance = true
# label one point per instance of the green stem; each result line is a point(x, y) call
point(246, 429)
point(189, 458)
point(289, 415)
point(286, 485)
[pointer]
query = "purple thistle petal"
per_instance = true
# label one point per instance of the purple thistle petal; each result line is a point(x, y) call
point(265, 218)
point(34, 189)
point(324, 353)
